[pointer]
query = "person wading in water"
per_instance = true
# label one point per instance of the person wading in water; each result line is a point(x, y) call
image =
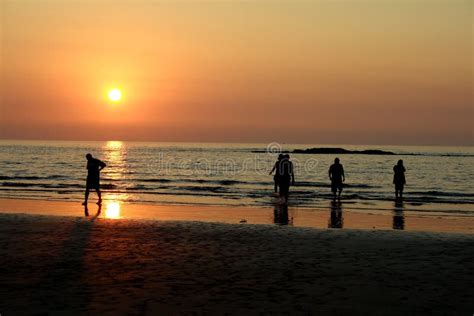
point(286, 177)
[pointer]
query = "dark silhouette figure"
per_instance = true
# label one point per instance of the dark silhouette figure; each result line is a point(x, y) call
point(337, 177)
point(86, 210)
point(286, 176)
point(399, 179)
point(398, 216)
point(94, 166)
point(277, 171)
point(335, 216)
point(280, 214)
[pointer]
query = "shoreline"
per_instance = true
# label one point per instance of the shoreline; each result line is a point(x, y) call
point(335, 216)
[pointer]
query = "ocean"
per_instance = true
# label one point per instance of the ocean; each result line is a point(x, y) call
point(439, 179)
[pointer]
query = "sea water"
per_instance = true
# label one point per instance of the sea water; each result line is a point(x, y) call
point(439, 179)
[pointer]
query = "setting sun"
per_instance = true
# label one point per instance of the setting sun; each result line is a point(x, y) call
point(115, 95)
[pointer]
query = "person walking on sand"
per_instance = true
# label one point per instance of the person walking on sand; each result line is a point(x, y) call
point(94, 166)
point(399, 179)
point(337, 177)
point(277, 172)
point(286, 177)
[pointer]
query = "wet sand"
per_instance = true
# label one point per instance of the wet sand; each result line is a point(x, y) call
point(339, 215)
point(95, 265)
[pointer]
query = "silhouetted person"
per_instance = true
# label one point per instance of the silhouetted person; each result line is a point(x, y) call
point(398, 216)
point(286, 176)
point(337, 177)
point(399, 179)
point(277, 171)
point(94, 166)
point(335, 217)
point(280, 214)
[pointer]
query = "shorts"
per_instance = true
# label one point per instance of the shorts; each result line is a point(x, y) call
point(92, 183)
point(399, 186)
point(336, 185)
point(284, 184)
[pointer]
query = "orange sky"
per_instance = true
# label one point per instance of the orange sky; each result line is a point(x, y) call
point(355, 71)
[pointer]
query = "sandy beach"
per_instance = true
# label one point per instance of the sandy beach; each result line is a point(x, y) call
point(79, 265)
point(236, 157)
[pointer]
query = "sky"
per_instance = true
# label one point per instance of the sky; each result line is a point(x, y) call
point(335, 72)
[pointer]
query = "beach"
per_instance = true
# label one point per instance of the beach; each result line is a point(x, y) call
point(96, 265)
point(236, 158)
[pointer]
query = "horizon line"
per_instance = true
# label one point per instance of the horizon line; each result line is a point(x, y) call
point(229, 142)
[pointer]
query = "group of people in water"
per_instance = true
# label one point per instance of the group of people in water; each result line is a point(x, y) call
point(284, 177)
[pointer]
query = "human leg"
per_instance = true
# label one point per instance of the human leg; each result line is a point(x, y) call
point(99, 194)
point(86, 196)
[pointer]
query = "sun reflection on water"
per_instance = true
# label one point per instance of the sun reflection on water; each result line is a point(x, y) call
point(114, 144)
point(112, 210)
point(115, 174)
point(115, 157)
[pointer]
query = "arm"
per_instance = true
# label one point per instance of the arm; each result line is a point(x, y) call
point(292, 174)
point(343, 175)
point(330, 174)
point(273, 169)
point(102, 165)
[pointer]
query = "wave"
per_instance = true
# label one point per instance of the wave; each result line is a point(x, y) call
point(201, 181)
point(50, 177)
point(302, 192)
point(16, 184)
point(444, 194)
point(261, 197)
point(232, 186)
point(154, 180)
point(109, 183)
point(53, 186)
point(328, 185)
point(257, 183)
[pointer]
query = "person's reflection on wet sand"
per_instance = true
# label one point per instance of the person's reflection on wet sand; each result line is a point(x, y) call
point(398, 216)
point(280, 214)
point(335, 217)
point(86, 210)
point(99, 209)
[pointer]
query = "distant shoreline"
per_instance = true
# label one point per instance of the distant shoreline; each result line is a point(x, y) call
point(343, 151)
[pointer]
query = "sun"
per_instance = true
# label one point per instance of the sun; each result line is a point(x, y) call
point(115, 95)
